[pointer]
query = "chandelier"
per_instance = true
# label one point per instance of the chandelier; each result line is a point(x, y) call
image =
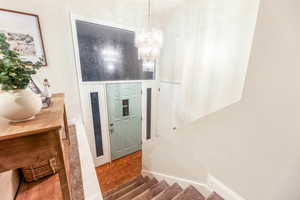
point(149, 42)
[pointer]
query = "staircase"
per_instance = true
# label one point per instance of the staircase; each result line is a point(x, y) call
point(144, 188)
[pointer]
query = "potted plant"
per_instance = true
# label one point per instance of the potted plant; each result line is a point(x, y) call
point(17, 101)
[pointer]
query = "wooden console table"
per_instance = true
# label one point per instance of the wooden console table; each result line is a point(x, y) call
point(25, 143)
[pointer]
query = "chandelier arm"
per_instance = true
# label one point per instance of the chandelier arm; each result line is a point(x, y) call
point(149, 43)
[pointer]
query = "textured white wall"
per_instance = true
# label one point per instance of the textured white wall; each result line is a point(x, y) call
point(252, 146)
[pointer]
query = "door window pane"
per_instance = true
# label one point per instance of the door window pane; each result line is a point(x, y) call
point(125, 104)
point(108, 53)
point(148, 120)
point(97, 123)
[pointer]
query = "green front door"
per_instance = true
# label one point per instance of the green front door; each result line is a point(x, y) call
point(124, 113)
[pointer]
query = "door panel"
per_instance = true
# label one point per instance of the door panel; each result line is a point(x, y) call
point(94, 110)
point(124, 111)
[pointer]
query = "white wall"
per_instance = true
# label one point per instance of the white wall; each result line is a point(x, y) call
point(206, 50)
point(90, 184)
point(56, 29)
point(205, 59)
point(252, 146)
point(9, 184)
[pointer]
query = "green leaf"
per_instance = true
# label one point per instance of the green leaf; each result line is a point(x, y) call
point(14, 72)
point(4, 78)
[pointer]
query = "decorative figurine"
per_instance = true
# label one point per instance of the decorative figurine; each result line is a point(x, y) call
point(45, 94)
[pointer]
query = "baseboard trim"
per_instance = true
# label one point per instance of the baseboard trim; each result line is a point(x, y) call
point(202, 187)
point(212, 184)
point(221, 189)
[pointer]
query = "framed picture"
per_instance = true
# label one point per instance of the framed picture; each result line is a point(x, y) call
point(24, 35)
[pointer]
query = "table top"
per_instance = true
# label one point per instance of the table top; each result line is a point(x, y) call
point(48, 119)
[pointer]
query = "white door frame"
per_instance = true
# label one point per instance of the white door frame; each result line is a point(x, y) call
point(86, 88)
point(85, 91)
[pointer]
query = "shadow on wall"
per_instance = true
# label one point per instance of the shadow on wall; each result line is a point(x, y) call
point(205, 58)
point(253, 145)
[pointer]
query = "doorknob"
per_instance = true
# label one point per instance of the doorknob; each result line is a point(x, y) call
point(111, 124)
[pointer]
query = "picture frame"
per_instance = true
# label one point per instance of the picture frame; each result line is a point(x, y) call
point(23, 32)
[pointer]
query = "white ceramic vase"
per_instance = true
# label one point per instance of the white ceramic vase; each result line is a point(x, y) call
point(19, 105)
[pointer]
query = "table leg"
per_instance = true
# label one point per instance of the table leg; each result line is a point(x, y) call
point(64, 184)
point(66, 126)
point(63, 177)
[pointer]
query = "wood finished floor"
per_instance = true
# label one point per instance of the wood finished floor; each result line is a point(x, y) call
point(44, 189)
point(119, 171)
point(109, 175)
point(49, 188)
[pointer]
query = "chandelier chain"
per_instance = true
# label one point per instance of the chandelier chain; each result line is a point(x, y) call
point(149, 42)
point(149, 13)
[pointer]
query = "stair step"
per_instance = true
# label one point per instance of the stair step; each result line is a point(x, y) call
point(144, 188)
point(179, 196)
point(135, 192)
point(214, 196)
point(153, 191)
point(169, 193)
point(122, 186)
point(190, 193)
point(123, 189)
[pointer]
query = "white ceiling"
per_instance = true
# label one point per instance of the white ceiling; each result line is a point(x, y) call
point(160, 5)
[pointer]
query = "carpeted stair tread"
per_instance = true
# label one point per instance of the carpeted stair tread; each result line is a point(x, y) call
point(153, 191)
point(190, 193)
point(144, 188)
point(179, 196)
point(122, 186)
point(122, 190)
point(214, 196)
point(135, 192)
point(169, 193)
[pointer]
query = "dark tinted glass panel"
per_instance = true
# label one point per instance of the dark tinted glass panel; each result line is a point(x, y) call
point(108, 54)
point(97, 123)
point(125, 104)
point(149, 99)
